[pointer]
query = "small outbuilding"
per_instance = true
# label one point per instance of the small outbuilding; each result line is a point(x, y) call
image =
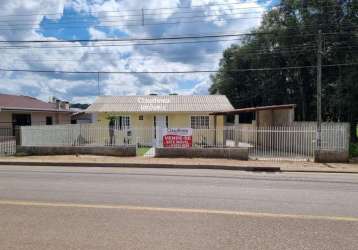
point(263, 116)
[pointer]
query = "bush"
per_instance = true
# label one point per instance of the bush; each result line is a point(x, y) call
point(353, 150)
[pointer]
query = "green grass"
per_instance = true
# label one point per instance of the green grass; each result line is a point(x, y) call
point(141, 151)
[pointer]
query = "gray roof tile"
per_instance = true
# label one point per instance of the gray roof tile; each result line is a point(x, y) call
point(171, 103)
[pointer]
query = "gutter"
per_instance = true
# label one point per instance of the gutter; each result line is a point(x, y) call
point(36, 110)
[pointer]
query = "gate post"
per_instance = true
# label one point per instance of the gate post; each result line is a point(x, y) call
point(236, 130)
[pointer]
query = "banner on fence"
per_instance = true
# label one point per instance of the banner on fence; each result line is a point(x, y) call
point(178, 138)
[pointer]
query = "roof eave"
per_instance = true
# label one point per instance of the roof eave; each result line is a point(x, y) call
point(34, 109)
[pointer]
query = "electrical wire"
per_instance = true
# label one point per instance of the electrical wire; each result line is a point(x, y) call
point(171, 72)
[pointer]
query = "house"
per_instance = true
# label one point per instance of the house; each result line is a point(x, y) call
point(79, 116)
point(19, 110)
point(172, 111)
point(152, 113)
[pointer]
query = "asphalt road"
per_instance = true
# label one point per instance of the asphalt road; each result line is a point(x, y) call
point(94, 208)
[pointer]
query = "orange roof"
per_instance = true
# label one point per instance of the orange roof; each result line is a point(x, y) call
point(20, 102)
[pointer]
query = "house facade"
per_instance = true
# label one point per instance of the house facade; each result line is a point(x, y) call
point(149, 114)
point(17, 110)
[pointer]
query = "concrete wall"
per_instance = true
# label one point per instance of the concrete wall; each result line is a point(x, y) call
point(228, 153)
point(144, 129)
point(264, 118)
point(283, 117)
point(5, 119)
point(331, 156)
point(278, 117)
point(68, 150)
point(63, 118)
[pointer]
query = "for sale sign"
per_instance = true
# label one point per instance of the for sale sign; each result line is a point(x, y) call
point(178, 138)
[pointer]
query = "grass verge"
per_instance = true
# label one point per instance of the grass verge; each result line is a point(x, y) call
point(141, 151)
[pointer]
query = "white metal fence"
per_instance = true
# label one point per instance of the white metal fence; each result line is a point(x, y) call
point(295, 142)
point(5, 131)
point(7, 145)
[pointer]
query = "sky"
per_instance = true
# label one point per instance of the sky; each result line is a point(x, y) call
point(118, 19)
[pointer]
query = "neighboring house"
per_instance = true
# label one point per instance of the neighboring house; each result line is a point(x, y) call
point(152, 112)
point(79, 116)
point(18, 110)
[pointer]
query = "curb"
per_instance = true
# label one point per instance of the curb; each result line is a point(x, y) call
point(143, 165)
point(318, 171)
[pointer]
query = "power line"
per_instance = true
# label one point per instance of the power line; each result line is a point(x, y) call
point(170, 72)
point(146, 38)
point(123, 26)
point(167, 8)
point(139, 24)
point(139, 21)
point(140, 16)
point(160, 38)
point(347, 25)
point(189, 56)
point(118, 45)
point(146, 9)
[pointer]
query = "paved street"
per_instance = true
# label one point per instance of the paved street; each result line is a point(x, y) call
point(94, 208)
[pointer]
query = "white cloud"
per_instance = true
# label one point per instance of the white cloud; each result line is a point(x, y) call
point(179, 57)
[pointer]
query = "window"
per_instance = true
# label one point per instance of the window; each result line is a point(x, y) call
point(49, 120)
point(122, 122)
point(167, 121)
point(141, 118)
point(198, 122)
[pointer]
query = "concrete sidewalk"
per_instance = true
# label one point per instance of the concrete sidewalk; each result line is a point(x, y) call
point(148, 162)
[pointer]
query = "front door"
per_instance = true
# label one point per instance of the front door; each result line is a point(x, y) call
point(160, 123)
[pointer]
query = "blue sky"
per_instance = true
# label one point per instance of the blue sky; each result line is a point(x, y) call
point(91, 19)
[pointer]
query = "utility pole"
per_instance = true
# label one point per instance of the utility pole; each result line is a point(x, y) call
point(99, 89)
point(319, 90)
point(142, 17)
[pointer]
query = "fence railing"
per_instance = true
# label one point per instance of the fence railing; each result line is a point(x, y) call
point(297, 141)
point(7, 145)
point(6, 131)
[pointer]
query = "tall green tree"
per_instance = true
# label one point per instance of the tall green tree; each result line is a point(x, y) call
point(287, 37)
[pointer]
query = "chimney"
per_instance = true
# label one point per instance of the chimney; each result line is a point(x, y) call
point(58, 104)
point(67, 105)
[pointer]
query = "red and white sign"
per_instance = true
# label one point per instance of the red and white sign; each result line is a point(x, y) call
point(178, 138)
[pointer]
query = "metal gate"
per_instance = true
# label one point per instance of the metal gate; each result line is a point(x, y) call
point(7, 145)
point(283, 143)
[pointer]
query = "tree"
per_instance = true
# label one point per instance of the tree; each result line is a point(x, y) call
point(286, 38)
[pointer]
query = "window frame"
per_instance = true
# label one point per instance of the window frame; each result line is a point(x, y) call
point(122, 122)
point(200, 121)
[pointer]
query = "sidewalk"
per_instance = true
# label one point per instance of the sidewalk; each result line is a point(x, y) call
point(148, 162)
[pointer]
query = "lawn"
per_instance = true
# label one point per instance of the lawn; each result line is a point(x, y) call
point(142, 150)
